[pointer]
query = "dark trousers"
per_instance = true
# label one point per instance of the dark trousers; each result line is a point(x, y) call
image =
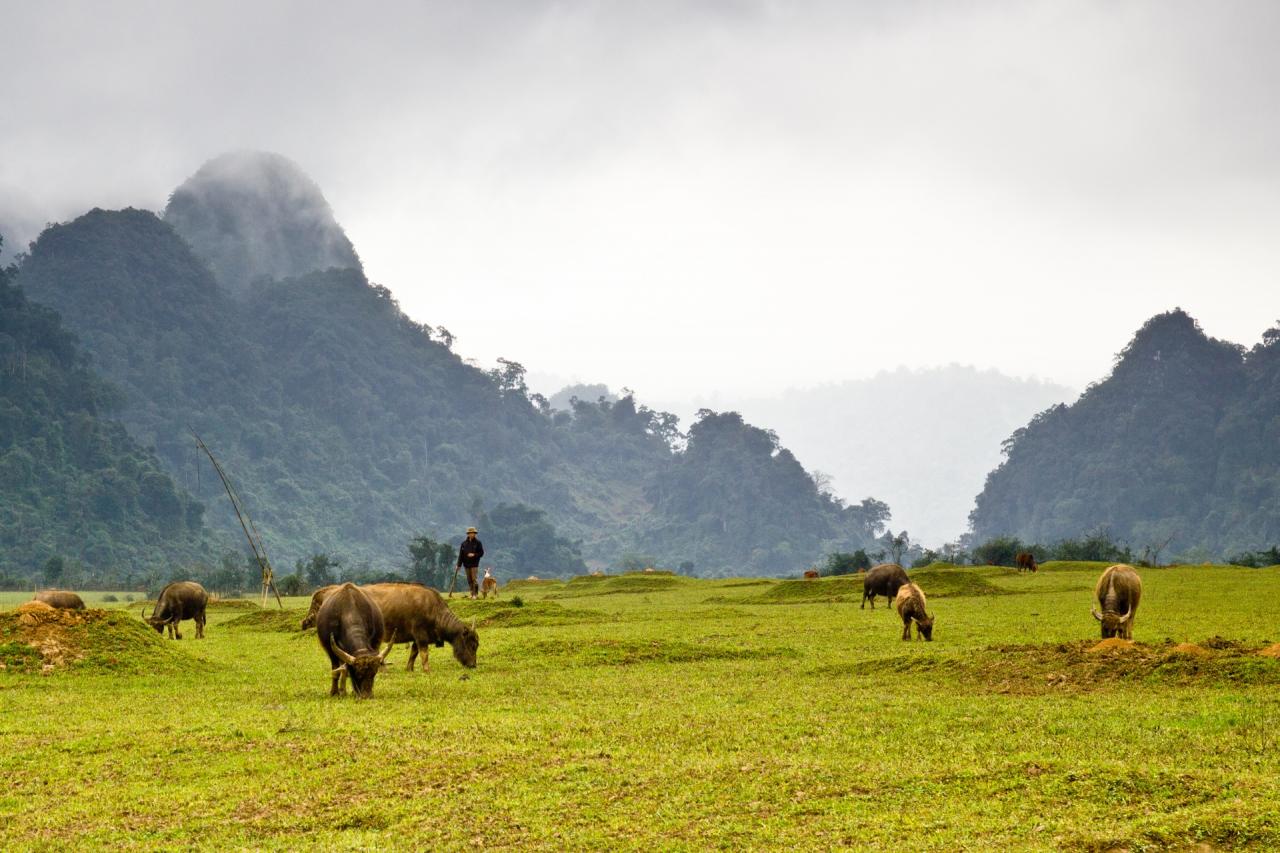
point(471, 581)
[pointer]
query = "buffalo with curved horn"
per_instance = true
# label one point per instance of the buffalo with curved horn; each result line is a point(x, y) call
point(1118, 592)
point(350, 629)
point(177, 601)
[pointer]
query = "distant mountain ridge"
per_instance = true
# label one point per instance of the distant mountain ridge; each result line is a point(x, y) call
point(1180, 444)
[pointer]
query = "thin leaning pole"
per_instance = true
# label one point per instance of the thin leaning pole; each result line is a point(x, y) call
point(255, 538)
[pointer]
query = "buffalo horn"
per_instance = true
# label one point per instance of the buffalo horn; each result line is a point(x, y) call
point(383, 657)
point(338, 670)
point(339, 652)
point(1125, 618)
point(1095, 615)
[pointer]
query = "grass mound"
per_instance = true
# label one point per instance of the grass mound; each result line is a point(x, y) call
point(267, 620)
point(505, 614)
point(955, 583)
point(631, 652)
point(232, 604)
point(39, 638)
point(541, 583)
point(810, 591)
point(621, 585)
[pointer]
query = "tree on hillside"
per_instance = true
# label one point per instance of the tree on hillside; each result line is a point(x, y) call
point(432, 561)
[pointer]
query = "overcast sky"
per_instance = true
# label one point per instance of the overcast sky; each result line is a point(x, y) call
point(733, 196)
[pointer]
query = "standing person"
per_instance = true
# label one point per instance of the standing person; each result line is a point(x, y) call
point(469, 554)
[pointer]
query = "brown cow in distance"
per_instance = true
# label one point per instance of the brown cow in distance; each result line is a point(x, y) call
point(417, 614)
point(489, 584)
point(810, 574)
point(61, 599)
point(1026, 562)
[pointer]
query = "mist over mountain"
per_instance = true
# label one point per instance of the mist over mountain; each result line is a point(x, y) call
point(1177, 449)
point(255, 214)
point(921, 440)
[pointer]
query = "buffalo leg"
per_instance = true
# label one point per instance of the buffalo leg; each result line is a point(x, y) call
point(906, 629)
point(200, 627)
point(413, 655)
point(333, 685)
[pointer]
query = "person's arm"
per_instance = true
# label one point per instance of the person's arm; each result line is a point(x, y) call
point(479, 550)
point(461, 548)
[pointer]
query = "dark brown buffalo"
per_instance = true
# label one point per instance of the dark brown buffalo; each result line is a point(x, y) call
point(61, 599)
point(317, 598)
point(350, 629)
point(177, 601)
point(885, 579)
point(1118, 592)
point(911, 603)
point(418, 614)
point(1026, 562)
point(810, 574)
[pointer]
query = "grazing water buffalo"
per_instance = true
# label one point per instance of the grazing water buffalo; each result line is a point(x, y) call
point(417, 614)
point(177, 601)
point(910, 602)
point(810, 574)
point(350, 629)
point(317, 598)
point(885, 579)
point(1118, 592)
point(61, 599)
point(1026, 561)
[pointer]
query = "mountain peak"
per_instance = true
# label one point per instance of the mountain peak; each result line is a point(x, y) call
point(251, 214)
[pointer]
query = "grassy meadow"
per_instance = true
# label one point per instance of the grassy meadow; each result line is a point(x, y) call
point(651, 711)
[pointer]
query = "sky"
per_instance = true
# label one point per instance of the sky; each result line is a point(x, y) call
point(695, 198)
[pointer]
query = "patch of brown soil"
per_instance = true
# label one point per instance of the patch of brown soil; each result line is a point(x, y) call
point(48, 630)
point(1272, 651)
point(1112, 644)
point(1191, 649)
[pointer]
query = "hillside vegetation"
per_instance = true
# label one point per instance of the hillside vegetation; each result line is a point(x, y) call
point(74, 483)
point(1179, 446)
point(640, 711)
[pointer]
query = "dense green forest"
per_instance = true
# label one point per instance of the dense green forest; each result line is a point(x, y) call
point(349, 429)
point(1176, 452)
point(81, 497)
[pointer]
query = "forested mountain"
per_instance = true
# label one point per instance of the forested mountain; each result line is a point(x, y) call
point(77, 489)
point(349, 428)
point(1179, 445)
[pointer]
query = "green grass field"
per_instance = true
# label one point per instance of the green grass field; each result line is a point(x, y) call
point(647, 711)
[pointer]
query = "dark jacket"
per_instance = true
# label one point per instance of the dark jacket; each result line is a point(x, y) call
point(472, 547)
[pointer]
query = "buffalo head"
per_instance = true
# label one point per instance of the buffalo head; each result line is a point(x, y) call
point(465, 646)
point(1113, 624)
point(361, 669)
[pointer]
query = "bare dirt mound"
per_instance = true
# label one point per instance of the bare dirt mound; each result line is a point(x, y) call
point(1113, 644)
point(41, 639)
point(1272, 651)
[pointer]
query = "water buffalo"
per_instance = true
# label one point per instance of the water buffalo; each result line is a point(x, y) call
point(885, 579)
point(350, 629)
point(1118, 592)
point(61, 599)
point(317, 598)
point(417, 614)
point(911, 602)
point(177, 601)
point(1026, 561)
point(810, 574)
